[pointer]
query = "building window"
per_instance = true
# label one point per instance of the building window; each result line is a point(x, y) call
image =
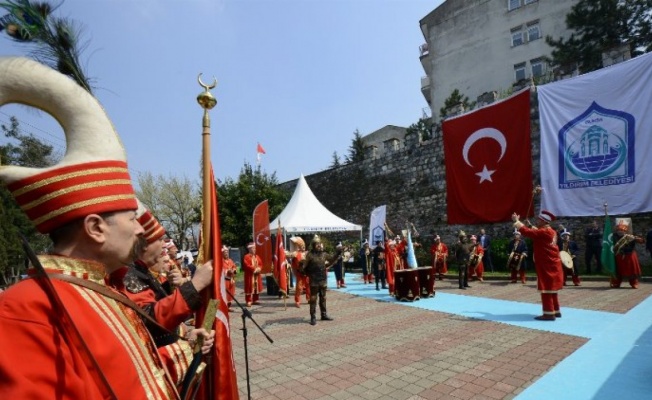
point(538, 67)
point(517, 37)
point(513, 4)
point(533, 31)
point(519, 71)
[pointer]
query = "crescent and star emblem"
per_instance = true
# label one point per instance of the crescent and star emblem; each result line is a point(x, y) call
point(259, 241)
point(489, 133)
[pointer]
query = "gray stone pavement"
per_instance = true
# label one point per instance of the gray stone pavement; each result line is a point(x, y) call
point(380, 350)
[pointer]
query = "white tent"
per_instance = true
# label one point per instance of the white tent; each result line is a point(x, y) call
point(304, 213)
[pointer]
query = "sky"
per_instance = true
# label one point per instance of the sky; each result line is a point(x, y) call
point(297, 76)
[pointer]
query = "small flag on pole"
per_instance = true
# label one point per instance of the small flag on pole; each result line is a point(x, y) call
point(259, 151)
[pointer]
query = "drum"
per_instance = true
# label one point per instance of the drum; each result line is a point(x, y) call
point(566, 260)
point(427, 281)
point(406, 284)
point(514, 260)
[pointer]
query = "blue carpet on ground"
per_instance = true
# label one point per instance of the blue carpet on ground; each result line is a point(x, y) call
point(615, 362)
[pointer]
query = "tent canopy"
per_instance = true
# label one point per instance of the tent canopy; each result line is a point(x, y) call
point(304, 213)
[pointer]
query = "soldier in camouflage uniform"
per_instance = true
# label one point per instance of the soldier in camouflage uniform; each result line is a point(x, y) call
point(316, 266)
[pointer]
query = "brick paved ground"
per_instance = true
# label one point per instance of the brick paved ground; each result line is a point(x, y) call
point(379, 350)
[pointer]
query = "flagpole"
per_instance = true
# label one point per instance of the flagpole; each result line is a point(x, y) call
point(207, 101)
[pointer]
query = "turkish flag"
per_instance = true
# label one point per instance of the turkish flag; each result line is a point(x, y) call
point(220, 381)
point(280, 267)
point(260, 149)
point(262, 236)
point(489, 162)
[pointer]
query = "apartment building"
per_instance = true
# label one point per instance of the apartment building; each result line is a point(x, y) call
point(483, 47)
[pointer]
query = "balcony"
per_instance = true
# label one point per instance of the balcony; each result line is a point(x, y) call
point(425, 88)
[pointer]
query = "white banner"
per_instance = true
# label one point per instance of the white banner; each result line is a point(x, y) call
point(377, 226)
point(596, 140)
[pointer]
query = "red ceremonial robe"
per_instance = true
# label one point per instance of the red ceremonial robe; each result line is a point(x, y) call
point(253, 284)
point(38, 361)
point(547, 263)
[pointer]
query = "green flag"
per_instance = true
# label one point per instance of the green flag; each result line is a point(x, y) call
point(607, 257)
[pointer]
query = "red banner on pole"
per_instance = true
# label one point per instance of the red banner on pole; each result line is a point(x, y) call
point(262, 236)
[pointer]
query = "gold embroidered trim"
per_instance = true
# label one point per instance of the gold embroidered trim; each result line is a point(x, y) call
point(76, 174)
point(76, 188)
point(114, 316)
point(75, 267)
point(99, 200)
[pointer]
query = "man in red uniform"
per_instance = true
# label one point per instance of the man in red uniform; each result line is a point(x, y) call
point(550, 276)
point(394, 263)
point(230, 271)
point(169, 311)
point(439, 252)
point(253, 282)
point(298, 253)
point(476, 266)
point(87, 205)
point(627, 265)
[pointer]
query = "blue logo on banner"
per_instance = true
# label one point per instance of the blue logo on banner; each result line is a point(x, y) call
point(597, 149)
point(378, 235)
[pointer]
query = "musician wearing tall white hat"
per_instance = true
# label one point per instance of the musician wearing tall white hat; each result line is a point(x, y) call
point(66, 334)
point(517, 257)
point(568, 252)
point(550, 277)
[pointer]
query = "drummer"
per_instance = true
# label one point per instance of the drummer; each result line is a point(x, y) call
point(569, 247)
point(517, 257)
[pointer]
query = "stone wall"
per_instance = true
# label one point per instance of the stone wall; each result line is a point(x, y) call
point(411, 183)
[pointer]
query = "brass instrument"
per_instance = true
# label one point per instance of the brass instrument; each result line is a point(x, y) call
point(626, 239)
point(474, 257)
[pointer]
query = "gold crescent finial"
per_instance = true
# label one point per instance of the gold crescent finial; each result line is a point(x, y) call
point(205, 98)
point(205, 86)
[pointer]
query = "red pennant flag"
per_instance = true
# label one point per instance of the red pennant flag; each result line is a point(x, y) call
point(221, 374)
point(489, 162)
point(262, 236)
point(280, 267)
point(260, 149)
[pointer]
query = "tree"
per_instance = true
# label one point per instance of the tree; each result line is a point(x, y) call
point(336, 160)
point(599, 26)
point(423, 126)
point(175, 203)
point(356, 150)
point(28, 152)
point(238, 199)
point(455, 99)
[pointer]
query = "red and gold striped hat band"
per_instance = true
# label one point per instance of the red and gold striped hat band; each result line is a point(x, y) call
point(56, 197)
point(153, 229)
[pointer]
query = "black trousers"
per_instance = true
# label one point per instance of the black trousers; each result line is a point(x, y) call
point(316, 291)
point(463, 277)
point(591, 253)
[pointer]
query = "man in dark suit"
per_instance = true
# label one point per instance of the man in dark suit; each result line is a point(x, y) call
point(485, 242)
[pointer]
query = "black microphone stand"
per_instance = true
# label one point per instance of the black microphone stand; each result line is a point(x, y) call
point(247, 314)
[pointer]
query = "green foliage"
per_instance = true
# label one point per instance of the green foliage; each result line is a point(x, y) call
point(28, 152)
point(55, 41)
point(175, 202)
point(336, 160)
point(356, 150)
point(423, 126)
point(454, 99)
point(599, 26)
point(238, 199)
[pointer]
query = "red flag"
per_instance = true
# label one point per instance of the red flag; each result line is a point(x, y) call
point(260, 149)
point(221, 372)
point(280, 272)
point(489, 162)
point(262, 236)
